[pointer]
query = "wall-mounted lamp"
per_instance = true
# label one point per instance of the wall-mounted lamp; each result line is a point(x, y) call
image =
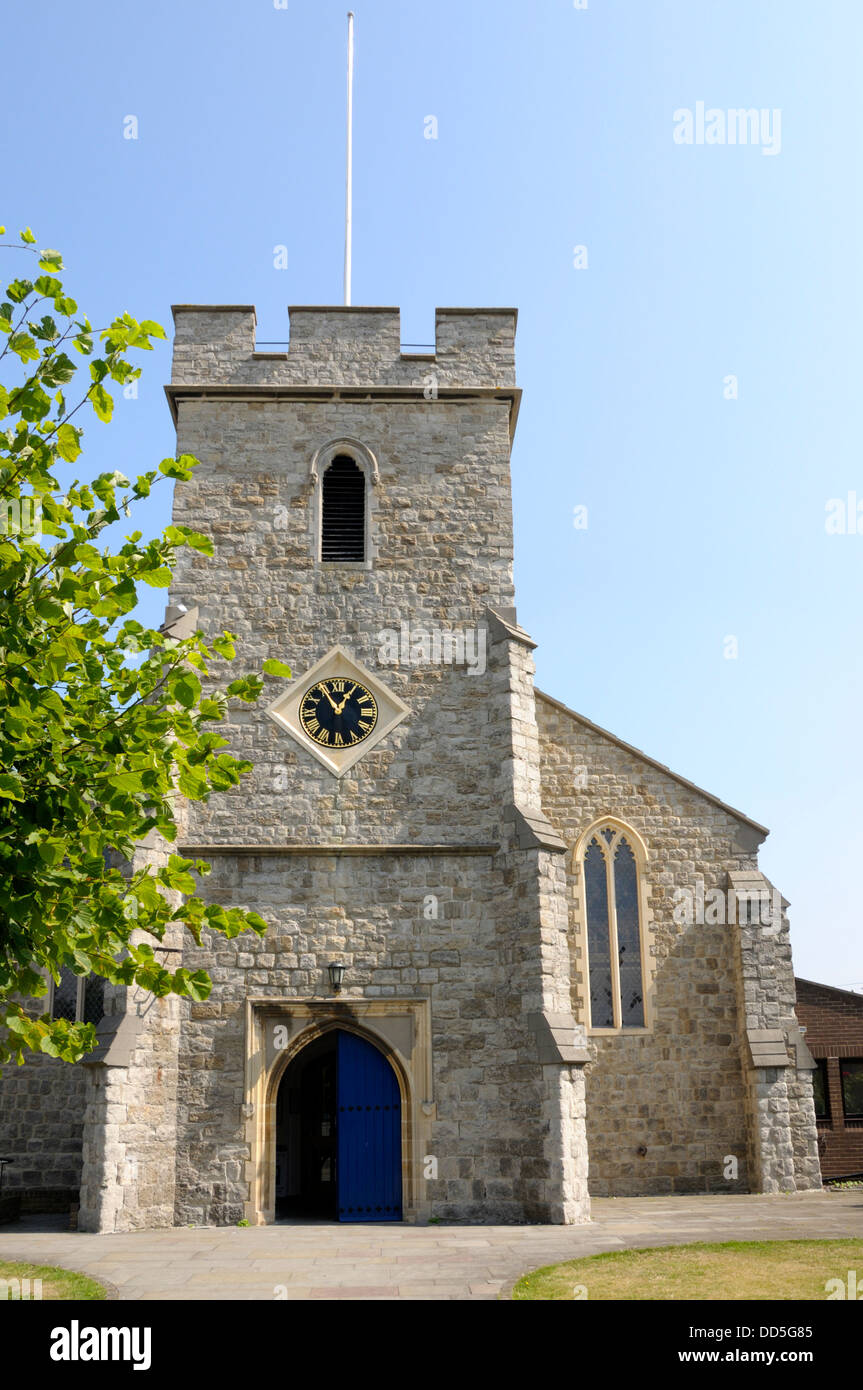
point(336, 973)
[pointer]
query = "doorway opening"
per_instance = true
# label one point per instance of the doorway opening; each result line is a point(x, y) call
point(338, 1133)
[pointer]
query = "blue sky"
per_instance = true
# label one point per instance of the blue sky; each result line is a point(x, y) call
point(706, 515)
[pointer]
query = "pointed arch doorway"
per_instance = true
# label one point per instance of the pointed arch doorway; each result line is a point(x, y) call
point(338, 1133)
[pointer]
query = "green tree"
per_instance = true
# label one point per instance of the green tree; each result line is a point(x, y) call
point(102, 720)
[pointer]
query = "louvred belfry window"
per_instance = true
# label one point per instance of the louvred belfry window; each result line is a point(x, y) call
point(614, 931)
point(343, 511)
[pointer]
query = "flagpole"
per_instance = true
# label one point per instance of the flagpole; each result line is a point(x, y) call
point(350, 158)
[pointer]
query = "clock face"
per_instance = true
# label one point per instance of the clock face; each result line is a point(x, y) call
point(338, 712)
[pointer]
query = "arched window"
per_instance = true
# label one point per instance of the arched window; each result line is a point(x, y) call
point(343, 510)
point(344, 473)
point(614, 927)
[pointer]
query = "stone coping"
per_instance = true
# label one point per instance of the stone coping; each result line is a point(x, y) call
point(419, 850)
point(755, 825)
point(176, 391)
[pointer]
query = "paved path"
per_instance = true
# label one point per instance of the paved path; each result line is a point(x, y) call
point(301, 1261)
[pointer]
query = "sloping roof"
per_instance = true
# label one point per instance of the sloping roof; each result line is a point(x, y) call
point(637, 753)
point(832, 989)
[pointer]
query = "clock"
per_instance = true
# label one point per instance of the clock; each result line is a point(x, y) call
point(338, 712)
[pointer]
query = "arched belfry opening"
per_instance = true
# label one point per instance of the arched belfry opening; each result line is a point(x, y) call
point(343, 511)
point(338, 1133)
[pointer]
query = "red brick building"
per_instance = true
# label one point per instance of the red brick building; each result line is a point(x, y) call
point(833, 1019)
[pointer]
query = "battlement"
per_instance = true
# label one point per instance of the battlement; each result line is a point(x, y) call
point(339, 345)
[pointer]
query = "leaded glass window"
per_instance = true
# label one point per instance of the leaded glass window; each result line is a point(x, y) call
point(78, 998)
point(598, 938)
point(614, 930)
point(65, 1001)
point(93, 1004)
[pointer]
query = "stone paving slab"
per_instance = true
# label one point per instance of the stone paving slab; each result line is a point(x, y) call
point(329, 1261)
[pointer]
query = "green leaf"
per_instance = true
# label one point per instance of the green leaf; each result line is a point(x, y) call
point(195, 986)
point(88, 555)
point(186, 689)
point(50, 260)
point(67, 443)
point(157, 579)
point(24, 347)
point(193, 784)
point(127, 782)
point(103, 404)
point(276, 668)
point(19, 290)
point(10, 787)
point(46, 329)
point(47, 286)
point(50, 851)
point(176, 875)
point(180, 468)
point(184, 535)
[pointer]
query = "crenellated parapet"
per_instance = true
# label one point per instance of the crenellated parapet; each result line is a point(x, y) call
point(352, 346)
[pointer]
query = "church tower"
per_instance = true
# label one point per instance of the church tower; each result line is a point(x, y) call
point(391, 833)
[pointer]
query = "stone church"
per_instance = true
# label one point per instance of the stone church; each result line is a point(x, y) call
point(511, 960)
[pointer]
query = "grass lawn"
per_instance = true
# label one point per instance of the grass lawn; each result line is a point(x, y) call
point(761, 1269)
point(56, 1283)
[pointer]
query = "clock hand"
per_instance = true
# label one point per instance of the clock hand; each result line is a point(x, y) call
point(329, 697)
point(345, 699)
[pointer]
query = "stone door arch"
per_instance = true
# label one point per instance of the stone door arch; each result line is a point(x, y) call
point(276, 1034)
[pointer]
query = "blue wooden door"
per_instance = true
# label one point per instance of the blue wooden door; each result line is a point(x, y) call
point(369, 1134)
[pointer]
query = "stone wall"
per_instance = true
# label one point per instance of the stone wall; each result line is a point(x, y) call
point(41, 1124)
point(668, 1106)
point(506, 1114)
point(367, 911)
point(782, 1133)
point(344, 346)
point(130, 1100)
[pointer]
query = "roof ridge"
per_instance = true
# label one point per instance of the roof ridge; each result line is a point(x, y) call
point(834, 989)
point(663, 767)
